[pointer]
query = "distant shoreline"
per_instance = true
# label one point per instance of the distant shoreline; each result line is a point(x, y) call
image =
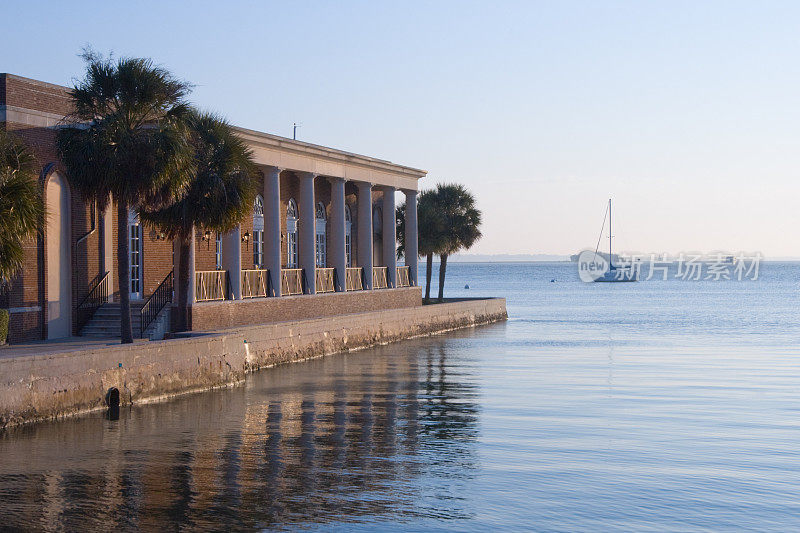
point(518, 261)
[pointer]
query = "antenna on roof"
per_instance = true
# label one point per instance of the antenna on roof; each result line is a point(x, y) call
point(294, 130)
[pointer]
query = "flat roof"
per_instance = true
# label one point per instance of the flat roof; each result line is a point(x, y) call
point(269, 139)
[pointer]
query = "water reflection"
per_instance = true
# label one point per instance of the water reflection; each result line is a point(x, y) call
point(348, 438)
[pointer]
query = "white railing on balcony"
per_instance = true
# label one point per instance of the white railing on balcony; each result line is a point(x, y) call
point(291, 281)
point(210, 285)
point(354, 279)
point(325, 280)
point(379, 277)
point(403, 276)
point(254, 283)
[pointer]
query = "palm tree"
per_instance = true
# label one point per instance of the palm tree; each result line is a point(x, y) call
point(219, 195)
point(21, 204)
point(125, 141)
point(430, 229)
point(461, 224)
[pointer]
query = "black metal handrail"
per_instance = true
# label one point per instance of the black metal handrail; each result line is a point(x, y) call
point(160, 298)
point(96, 296)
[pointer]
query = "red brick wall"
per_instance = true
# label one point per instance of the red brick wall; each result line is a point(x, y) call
point(204, 258)
point(114, 241)
point(35, 95)
point(227, 314)
point(28, 286)
point(156, 260)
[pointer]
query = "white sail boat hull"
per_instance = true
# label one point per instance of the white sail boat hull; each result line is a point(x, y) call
point(618, 274)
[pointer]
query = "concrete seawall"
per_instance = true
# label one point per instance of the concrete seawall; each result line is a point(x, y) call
point(61, 383)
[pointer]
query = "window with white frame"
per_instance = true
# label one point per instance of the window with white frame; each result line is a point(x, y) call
point(348, 236)
point(258, 232)
point(319, 224)
point(291, 234)
point(135, 253)
point(218, 251)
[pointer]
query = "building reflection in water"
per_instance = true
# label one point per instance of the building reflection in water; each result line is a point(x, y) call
point(374, 435)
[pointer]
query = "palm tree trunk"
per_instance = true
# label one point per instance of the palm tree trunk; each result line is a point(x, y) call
point(428, 273)
point(124, 272)
point(442, 270)
point(183, 282)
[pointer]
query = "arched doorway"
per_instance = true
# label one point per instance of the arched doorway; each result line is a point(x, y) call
point(59, 283)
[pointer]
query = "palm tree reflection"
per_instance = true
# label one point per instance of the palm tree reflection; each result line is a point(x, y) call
point(345, 438)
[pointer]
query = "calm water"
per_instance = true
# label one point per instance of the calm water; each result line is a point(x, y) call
point(597, 407)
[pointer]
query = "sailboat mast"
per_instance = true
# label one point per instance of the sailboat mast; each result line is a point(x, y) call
point(609, 231)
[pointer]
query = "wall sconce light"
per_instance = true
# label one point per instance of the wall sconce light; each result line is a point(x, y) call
point(246, 239)
point(161, 236)
point(207, 237)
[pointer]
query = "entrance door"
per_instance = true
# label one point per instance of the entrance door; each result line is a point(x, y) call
point(135, 230)
point(58, 260)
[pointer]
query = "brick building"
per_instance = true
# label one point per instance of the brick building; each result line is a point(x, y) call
point(323, 223)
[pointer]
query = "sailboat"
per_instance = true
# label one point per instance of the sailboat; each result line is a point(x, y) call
point(615, 273)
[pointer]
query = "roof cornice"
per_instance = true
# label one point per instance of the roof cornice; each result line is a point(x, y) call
point(340, 156)
point(268, 140)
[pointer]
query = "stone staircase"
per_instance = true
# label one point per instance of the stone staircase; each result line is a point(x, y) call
point(105, 322)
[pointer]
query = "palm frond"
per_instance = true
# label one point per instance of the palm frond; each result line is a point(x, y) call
point(222, 189)
point(21, 204)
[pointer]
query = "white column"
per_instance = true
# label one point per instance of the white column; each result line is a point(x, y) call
point(176, 266)
point(389, 235)
point(338, 254)
point(106, 226)
point(232, 259)
point(411, 250)
point(365, 231)
point(307, 230)
point(272, 226)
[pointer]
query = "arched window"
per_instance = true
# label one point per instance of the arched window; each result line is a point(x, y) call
point(348, 236)
point(59, 272)
point(291, 234)
point(319, 224)
point(258, 231)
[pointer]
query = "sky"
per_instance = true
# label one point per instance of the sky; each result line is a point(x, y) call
point(685, 113)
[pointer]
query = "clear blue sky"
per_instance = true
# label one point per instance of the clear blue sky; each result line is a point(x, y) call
point(685, 112)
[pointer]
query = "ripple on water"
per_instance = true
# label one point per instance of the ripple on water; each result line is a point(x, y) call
point(654, 406)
